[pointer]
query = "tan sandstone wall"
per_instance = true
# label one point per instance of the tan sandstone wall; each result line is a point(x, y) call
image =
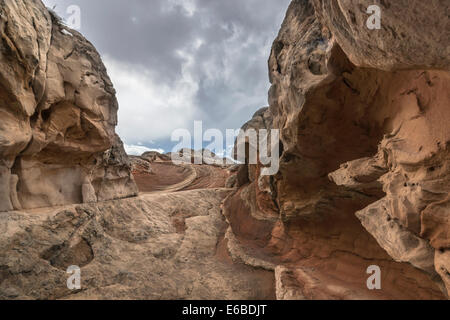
point(58, 112)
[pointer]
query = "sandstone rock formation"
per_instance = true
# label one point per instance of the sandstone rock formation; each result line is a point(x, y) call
point(364, 124)
point(167, 243)
point(413, 35)
point(364, 170)
point(156, 172)
point(156, 246)
point(58, 149)
point(58, 112)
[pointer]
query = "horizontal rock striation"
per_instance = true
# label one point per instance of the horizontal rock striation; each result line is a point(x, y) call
point(58, 112)
point(364, 124)
point(156, 172)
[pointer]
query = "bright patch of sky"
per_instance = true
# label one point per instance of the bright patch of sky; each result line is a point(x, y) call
point(176, 61)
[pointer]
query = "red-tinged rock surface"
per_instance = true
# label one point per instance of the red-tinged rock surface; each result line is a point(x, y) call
point(364, 173)
point(157, 172)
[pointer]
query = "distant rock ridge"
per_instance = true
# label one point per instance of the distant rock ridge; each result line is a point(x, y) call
point(58, 112)
point(364, 176)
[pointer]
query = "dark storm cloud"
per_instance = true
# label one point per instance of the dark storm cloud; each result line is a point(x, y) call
point(135, 31)
point(216, 51)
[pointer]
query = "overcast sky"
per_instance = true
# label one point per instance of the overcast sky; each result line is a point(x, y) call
point(176, 61)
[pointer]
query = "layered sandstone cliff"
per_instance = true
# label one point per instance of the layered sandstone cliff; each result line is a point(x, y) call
point(364, 122)
point(58, 112)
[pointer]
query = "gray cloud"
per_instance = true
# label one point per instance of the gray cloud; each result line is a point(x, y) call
point(176, 61)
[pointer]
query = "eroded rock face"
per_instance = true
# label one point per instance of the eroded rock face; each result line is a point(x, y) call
point(364, 124)
point(413, 34)
point(157, 246)
point(58, 112)
point(155, 172)
point(167, 243)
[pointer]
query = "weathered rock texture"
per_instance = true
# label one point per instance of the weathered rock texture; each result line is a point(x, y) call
point(58, 112)
point(156, 246)
point(364, 120)
point(58, 150)
point(167, 243)
point(157, 172)
point(364, 174)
